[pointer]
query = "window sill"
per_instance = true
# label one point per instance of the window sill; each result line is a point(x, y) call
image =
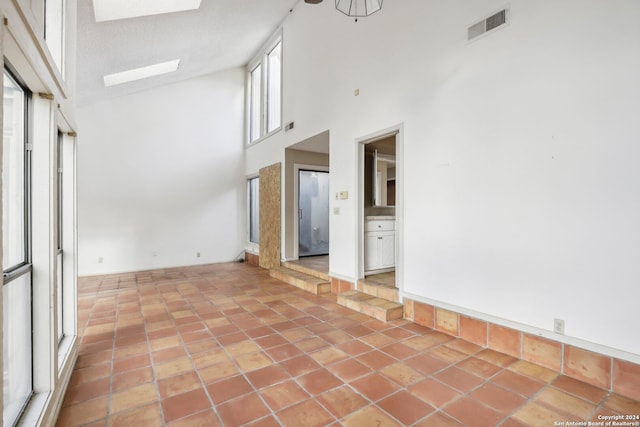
point(266, 136)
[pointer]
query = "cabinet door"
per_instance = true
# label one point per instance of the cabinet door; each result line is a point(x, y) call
point(387, 249)
point(371, 252)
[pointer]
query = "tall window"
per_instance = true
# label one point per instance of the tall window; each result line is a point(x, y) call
point(254, 210)
point(59, 256)
point(265, 92)
point(54, 31)
point(16, 284)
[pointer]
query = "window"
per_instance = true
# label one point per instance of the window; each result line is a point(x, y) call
point(54, 31)
point(16, 284)
point(254, 210)
point(59, 255)
point(265, 92)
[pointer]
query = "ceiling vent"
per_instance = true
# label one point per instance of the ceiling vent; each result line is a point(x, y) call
point(486, 25)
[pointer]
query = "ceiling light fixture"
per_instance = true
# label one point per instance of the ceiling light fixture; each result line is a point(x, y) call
point(313, 1)
point(109, 10)
point(358, 8)
point(141, 73)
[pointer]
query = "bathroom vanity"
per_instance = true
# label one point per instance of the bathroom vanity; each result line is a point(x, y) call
point(379, 244)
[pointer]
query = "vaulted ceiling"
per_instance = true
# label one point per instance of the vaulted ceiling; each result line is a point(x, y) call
point(221, 34)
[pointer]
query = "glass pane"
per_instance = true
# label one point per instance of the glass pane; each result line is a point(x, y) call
point(255, 103)
point(273, 87)
point(59, 297)
point(13, 176)
point(254, 210)
point(17, 346)
point(313, 204)
point(54, 31)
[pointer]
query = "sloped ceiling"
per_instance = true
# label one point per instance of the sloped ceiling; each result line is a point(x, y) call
point(222, 34)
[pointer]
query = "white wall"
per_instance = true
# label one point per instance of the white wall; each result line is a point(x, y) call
point(522, 191)
point(161, 177)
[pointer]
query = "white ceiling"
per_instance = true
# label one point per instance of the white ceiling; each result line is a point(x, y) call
point(222, 34)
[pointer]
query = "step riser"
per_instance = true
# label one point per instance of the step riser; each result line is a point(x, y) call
point(314, 288)
point(306, 270)
point(383, 292)
point(369, 308)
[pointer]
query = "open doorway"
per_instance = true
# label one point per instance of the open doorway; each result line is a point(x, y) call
point(313, 213)
point(380, 207)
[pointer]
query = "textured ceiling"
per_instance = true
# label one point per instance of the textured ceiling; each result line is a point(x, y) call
point(222, 34)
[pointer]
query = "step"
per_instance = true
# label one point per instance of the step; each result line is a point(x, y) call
point(379, 308)
point(377, 289)
point(300, 280)
point(307, 270)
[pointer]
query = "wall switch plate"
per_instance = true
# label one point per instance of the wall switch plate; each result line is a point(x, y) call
point(344, 195)
point(558, 326)
point(336, 211)
point(100, 260)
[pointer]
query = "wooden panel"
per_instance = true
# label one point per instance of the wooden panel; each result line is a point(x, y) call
point(270, 216)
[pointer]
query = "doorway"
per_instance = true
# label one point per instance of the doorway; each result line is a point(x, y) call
point(313, 213)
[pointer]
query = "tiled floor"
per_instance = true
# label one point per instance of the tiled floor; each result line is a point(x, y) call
point(228, 345)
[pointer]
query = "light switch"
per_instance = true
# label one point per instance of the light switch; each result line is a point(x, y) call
point(344, 195)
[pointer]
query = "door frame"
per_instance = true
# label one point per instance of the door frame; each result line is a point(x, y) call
point(398, 131)
point(297, 167)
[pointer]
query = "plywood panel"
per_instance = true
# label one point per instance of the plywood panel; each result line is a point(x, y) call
point(270, 177)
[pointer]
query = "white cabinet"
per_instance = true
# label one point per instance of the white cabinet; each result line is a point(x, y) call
point(379, 244)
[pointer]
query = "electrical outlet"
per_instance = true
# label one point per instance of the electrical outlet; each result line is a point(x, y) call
point(198, 255)
point(558, 326)
point(100, 259)
point(154, 253)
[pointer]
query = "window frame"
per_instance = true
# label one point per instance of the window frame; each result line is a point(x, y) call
point(262, 60)
point(25, 267)
point(254, 245)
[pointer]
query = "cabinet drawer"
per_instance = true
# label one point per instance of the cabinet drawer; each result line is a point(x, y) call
point(380, 225)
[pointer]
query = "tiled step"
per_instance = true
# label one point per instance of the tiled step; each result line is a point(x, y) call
point(382, 309)
point(300, 280)
point(307, 270)
point(377, 289)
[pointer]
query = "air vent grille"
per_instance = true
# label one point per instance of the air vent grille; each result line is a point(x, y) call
point(491, 23)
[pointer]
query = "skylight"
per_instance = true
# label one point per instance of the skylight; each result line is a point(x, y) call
point(109, 10)
point(141, 73)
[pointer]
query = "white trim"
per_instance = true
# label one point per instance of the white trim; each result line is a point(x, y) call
point(296, 201)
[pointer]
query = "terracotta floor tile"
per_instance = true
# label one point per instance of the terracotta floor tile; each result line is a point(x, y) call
point(497, 358)
point(308, 414)
point(565, 403)
point(90, 374)
point(201, 346)
point(179, 384)
point(329, 355)
point(577, 388)
point(270, 341)
point(377, 340)
point(354, 347)
point(342, 401)
point(370, 416)
point(622, 404)
point(498, 398)
point(532, 414)
point(216, 372)
point(517, 383)
point(209, 358)
point(479, 367)
point(253, 361)
point(184, 404)
point(267, 376)
point(206, 418)
point(534, 371)
point(426, 364)
point(434, 392)
point(88, 391)
point(447, 354)
point(399, 351)
point(283, 352)
point(268, 421)
point(285, 394)
point(459, 379)
point(148, 415)
point(229, 388)
point(402, 374)
point(375, 386)
point(132, 397)
point(439, 419)
point(349, 370)
point(242, 410)
point(473, 414)
point(376, 359)
point(300, 365)
point(173, 367)
point(405, 407)
point(83, 412)
point(319, 381)
point(167, 354)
